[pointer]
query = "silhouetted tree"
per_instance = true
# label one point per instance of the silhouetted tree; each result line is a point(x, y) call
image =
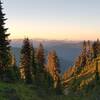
point(4, 46)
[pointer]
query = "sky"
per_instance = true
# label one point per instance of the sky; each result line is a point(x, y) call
point(53, 19)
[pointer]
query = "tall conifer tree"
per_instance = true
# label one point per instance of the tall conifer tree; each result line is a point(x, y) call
point(25, 63)
point(33, 63)
point(40, 57)
point(40, 64)
point(53, 68)
point(4, 45)
point(84, 54)
point(96, 48)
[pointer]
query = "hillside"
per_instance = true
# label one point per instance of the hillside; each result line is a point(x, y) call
point(83, 78)
point(86, 75)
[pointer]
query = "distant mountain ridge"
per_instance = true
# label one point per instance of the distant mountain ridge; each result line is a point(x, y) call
point(46, 42)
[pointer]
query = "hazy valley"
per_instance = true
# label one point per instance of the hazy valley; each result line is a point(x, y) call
point(67, 51)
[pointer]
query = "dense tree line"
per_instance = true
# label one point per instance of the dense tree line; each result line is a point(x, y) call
point(33, 67)
point(90, 51)
point(87, 60)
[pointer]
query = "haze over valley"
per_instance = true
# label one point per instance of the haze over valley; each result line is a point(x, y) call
point(66, 50)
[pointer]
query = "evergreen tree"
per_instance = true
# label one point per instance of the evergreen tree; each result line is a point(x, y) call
point(40, 58)
point(40, 65)
point(89, 53)
point(88, 46)
point(4, 46)
point(82, 59)
point(53, 68)
point(84, 54)
point(96, 48)
point(85, 57)
point(33, 62)
point(25, 63)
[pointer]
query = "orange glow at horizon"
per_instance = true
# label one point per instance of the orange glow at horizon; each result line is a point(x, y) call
point(53, 19)
point(58, 31)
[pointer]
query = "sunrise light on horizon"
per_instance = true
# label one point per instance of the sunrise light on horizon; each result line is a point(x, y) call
point(53, 19)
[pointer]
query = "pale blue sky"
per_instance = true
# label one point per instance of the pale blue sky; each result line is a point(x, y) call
point(53, 19)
